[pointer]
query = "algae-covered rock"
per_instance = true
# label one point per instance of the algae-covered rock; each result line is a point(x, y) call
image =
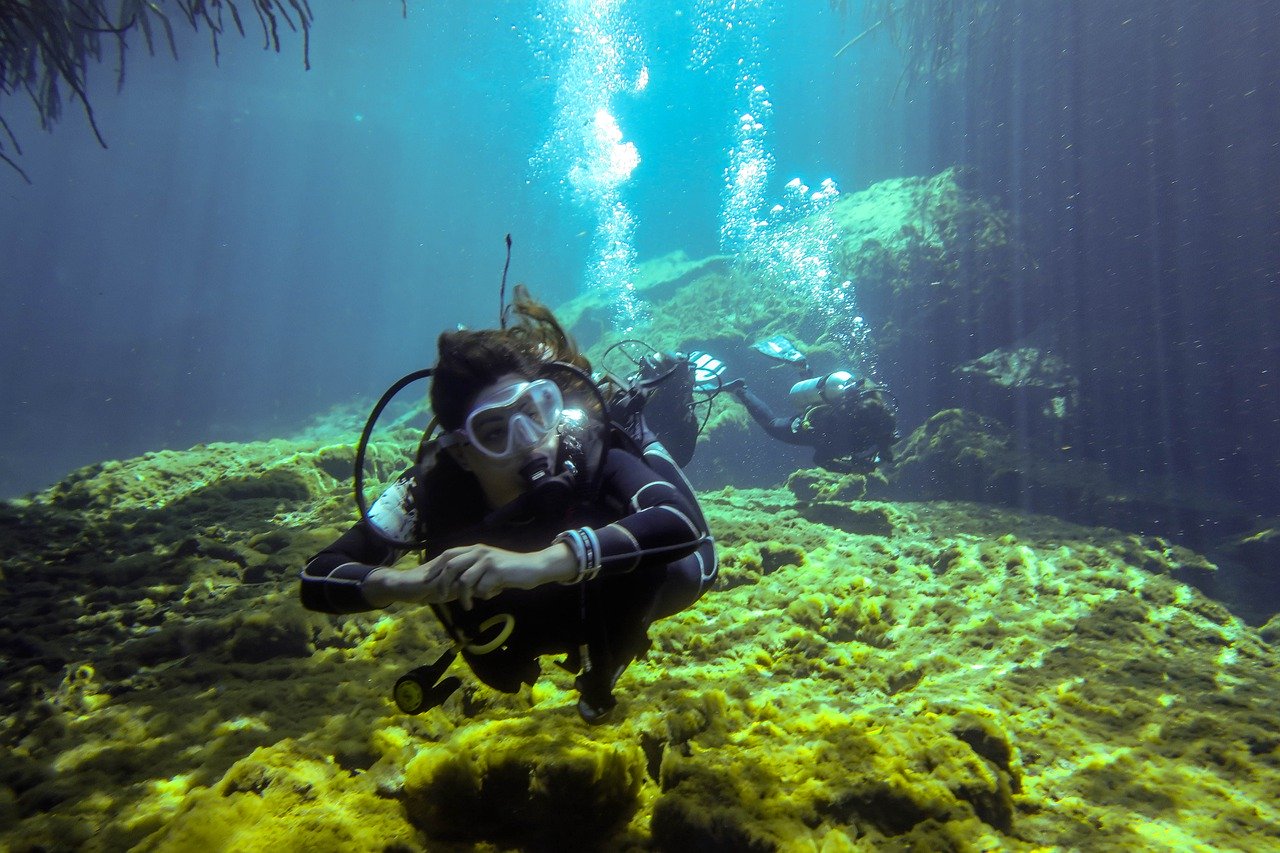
point(282, 797)
point(866, 675)
point(818, 484)
point(851, 518)
point(527, 785)
point(959, 455)
point(885, 780)
point(1024, 382)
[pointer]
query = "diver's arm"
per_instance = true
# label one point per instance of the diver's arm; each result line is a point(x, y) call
point(481, 571)
point(659, 525)
point(336, 579)
point(350, 576)
point(779, 428)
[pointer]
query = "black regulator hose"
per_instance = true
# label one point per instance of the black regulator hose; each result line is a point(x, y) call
point(358, 477)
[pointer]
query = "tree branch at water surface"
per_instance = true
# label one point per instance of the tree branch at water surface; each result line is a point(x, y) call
point(933, 35)
point(48, 46)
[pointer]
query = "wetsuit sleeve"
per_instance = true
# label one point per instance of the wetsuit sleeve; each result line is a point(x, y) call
point(779, 428)
point(658, 525)
point(333, 579)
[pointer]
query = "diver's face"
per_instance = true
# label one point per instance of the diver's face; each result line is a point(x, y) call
point(511, 423)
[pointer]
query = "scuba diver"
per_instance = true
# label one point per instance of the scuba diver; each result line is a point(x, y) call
point(547, 523)
point(663, 390)
point(850, 423)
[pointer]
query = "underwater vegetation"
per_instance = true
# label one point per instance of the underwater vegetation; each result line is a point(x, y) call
point(47, 47)
point(867, 675)
point(935, 36)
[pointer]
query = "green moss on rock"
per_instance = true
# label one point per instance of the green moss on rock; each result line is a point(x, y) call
point(512, 783)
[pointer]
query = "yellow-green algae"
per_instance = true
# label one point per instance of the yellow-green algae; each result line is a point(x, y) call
point(866, 676)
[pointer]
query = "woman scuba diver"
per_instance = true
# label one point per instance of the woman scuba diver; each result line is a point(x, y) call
point(540, 533)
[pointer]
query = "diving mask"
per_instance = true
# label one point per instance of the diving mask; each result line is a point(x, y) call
point(512, 419)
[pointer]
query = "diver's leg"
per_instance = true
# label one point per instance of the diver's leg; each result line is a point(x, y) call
point(686, 580)
point(656, 456)
point(629, 604)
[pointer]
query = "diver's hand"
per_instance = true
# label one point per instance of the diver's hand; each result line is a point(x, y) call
point(385, 586)
point(483, 571)
point(735, 386)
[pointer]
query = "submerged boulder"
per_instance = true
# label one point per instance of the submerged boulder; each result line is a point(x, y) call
point(959, 455)
point(526, 783)
point(1026, 385)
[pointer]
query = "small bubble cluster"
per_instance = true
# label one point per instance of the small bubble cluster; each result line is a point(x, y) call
point(790, 246)
point(598, 57)
point(614, 266)
point(747, 176)
point(794, 250)
point(730, 32)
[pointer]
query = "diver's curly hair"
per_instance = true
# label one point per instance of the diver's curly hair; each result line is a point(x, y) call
point(471, 359)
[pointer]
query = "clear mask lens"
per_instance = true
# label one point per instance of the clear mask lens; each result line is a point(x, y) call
point(514, 418)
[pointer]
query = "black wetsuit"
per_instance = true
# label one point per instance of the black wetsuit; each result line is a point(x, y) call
point(643, 547)
point(845, 438)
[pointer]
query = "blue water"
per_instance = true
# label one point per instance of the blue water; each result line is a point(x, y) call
point(260, 242)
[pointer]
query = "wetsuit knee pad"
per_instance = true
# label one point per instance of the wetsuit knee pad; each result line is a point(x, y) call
point(502, 670)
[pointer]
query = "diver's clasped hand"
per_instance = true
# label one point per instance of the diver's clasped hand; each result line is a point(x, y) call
point(482, 571)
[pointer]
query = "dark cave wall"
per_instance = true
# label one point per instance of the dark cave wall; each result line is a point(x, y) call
point(1137, 146)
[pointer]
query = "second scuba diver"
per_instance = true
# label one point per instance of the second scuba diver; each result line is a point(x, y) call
point(849, 422)
point(540, 534)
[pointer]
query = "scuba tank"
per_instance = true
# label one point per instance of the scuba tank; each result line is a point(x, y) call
point(817, 390)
